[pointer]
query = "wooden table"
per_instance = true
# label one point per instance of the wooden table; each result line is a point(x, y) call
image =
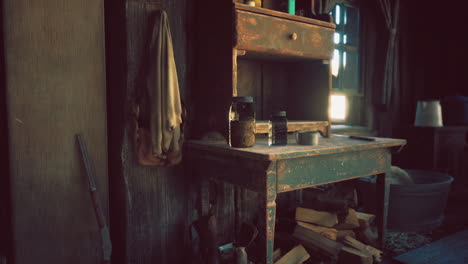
point(271, 170)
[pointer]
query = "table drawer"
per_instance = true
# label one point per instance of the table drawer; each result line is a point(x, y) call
point(275, 35)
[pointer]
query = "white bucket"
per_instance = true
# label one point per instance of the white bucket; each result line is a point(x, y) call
point(428, 114)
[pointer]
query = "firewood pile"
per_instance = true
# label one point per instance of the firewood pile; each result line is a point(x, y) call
point(339, 234)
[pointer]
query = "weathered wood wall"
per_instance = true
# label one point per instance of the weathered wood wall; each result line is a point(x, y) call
point(5, 203)
point(55, 87)
point(152, 208)
point(149, 206)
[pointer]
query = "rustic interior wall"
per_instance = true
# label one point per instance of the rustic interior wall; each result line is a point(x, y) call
point(437, 40)
point(152, 208)
point(149, 215)
point(5, 203)
point(55, 88)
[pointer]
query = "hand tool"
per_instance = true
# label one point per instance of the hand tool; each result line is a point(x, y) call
point(105, 236)
point(356, 137)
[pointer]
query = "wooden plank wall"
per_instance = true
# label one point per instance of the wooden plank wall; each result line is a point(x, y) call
point(152, 208)
point(148, 205)
point(5, 202)
point(55, 87)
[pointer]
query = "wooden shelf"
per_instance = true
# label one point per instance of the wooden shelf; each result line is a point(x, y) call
point(262, 126)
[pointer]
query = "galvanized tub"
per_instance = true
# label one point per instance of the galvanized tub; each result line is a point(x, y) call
point(412, 207)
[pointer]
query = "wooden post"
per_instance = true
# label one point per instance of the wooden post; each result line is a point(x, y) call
point(383, 191)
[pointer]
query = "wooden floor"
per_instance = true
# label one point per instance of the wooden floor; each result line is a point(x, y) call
point(450, 250)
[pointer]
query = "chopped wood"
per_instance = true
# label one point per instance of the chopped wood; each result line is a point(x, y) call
point(341, 234)
point(311, 239)
point(350, 222)
point(276, 254)
point(316, 217)
point(365, 220)
point(368, 235)
point(350, 255)
point(327, 232)
point(377, 254)
point(297, 255)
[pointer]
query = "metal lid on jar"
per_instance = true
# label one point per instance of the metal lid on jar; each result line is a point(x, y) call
point(279, 113)
point(242, 99)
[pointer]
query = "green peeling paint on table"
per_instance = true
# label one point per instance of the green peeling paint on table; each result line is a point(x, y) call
point(269, 170)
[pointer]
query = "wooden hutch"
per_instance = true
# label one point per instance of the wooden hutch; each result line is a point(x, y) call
point(283, 61)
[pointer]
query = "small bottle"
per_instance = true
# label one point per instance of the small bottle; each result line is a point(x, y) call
point(278, 129)
point(242, 122)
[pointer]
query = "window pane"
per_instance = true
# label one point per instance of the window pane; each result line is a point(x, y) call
point(335, 63)
point(337, 14)
point(345, 13)
point(337, 38)
point(350, 76)
point(345, 39)
point(344, 60)
point(352, 27)
point(338, 107)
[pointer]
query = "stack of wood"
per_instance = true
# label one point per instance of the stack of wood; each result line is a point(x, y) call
point(347, 239)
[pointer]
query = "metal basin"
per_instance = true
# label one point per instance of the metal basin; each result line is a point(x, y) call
point(412, 207)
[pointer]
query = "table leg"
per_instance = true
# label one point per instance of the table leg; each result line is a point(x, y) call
point(383, 192)
point(270, 229)
point(269, 215)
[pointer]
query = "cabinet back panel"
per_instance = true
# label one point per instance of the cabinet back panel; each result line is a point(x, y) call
point(309, 94)
point(300, 88)
point(249, 82)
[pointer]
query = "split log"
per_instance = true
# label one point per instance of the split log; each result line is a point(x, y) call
point(316, 217)
point(314, 241)
point(276, 254)
point(377, 254)
point(364, 219)
point(327, 232)
point(297, 255)
point(350, 222)
point(341, 234)
point(368, 235)
point(350, 255)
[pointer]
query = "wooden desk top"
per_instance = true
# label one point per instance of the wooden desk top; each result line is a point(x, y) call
point(261, 150)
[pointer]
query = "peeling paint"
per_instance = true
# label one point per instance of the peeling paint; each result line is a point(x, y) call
point(252, 21)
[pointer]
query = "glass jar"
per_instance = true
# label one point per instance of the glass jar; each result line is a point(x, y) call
point(278, 129)
point(242, 122)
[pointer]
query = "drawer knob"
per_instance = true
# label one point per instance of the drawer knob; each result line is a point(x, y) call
point(293, 36)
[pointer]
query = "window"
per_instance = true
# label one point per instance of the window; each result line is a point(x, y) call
point(346, 93)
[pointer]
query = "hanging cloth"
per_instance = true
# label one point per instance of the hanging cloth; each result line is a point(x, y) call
point(159, 113)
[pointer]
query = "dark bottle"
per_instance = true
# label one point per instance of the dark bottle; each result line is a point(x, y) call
point(278, 129)
point(242, 122)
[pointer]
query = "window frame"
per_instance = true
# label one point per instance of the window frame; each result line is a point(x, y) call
point(351, 94)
